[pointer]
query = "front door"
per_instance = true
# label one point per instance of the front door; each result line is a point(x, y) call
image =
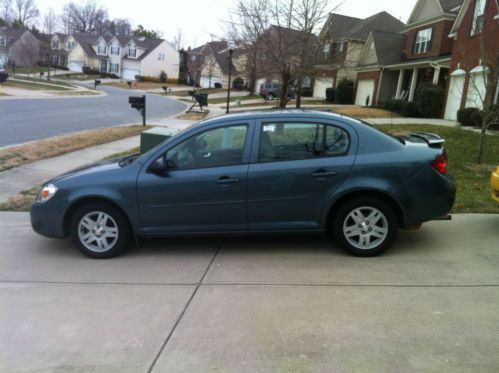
point(298, 165)
point(205, 192)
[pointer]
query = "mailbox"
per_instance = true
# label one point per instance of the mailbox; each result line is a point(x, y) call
point(96, 83)
point(139, 103)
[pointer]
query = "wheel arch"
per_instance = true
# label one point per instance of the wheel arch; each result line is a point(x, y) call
point(373, 193)
point(75, 205)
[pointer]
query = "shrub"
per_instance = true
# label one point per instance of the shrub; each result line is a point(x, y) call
point(330, 94)
point(410, 109)
point(307, 92)
point(476, 118)
point(394, 105)
point(344, 91)
point(464, 116)
point(430, 100)
point(163, 78)
point(218, 85)
point(87, 70)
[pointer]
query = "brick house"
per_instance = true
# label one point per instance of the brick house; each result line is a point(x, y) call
point(421, 56)
point(340, 43)
point(475, 52)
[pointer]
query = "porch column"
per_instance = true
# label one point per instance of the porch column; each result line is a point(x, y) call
point(399, 84)
point(414, 80)
point(436, 75)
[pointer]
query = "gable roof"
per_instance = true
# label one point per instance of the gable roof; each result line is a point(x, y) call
point(389, 47)
point(448, 5)
point(345, 27)
point(447, 8)
point(12, 35)
point(149, 45)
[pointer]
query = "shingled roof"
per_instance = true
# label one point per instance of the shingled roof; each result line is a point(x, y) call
point(389, 47)
point(12, 35)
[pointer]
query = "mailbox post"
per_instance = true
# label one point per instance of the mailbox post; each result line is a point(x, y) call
point(139, 103)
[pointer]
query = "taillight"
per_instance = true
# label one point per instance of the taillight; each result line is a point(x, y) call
point(440, 163)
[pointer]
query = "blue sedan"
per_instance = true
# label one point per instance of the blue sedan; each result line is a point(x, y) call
point(255, 173)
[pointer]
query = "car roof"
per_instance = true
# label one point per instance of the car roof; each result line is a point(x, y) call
point(279, 113)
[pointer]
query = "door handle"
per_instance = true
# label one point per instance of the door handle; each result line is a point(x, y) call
point(227, 180)
point(323, 173)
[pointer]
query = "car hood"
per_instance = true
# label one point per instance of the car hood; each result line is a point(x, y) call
point(90, 169)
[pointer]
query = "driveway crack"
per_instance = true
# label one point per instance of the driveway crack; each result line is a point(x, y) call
point(180, 317)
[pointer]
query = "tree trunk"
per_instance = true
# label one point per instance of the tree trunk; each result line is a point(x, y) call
point(481, 148)
point(284, 87)
point(298, 94)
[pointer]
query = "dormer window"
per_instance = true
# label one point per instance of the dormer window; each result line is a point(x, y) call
point(115, 50)
point(423, 41)
point(132, 52)
point(55, 44)
point(478, 21)
point(102, 49)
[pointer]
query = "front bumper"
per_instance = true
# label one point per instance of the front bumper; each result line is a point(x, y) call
point(494, 183)
point(46, 221)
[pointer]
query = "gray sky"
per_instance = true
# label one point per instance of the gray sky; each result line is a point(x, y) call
point(200, 18)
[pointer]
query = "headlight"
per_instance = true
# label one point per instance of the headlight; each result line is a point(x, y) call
point(47, 192)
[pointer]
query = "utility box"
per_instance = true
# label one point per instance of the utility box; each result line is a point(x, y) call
point(150, 138)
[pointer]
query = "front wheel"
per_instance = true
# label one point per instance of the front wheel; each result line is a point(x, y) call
point(365, 226)
point(100, 231)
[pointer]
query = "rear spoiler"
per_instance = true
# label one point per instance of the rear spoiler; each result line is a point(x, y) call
point(431, 139)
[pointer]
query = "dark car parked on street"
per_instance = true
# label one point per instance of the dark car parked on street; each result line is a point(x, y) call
point(253, 173)
point(3, 76)
point(269, 91)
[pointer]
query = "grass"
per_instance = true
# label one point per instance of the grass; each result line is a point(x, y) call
point(222, 100)
point(141, 85)
point(207, 90)
point(26, 70)
point(473, 186)
point(77, 76)
point(21, 202)
point(364, 112)
point(28, 153)
point(33, 86)
point(44, 80)
point(194, 115)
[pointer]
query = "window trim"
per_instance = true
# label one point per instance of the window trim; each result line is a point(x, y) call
point(474, 18)
point(428, 43)
point(257, 160)
point(134, 52)
point(225, 125)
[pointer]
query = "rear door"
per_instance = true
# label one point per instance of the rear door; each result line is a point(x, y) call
point(295, 167)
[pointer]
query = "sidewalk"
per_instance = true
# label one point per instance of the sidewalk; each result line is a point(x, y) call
point(18, 179)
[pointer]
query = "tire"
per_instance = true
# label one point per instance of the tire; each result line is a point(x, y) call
point(374, 221)
point(100, 230)
point(270, 97)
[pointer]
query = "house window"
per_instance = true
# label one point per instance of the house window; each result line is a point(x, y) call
point(102, 49)
point(161, 57)
point(55, 60)
point(55, 44)
point(478, 21)
point(71, 45)
point(341, 47)
point(115, 50)
point(2, 41)
point(326, 49)
point(423, 41)
point(114, 67)
point(103, 66)
point(193, 58)
point(132, 52)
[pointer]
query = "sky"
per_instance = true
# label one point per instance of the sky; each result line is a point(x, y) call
point(202, 20)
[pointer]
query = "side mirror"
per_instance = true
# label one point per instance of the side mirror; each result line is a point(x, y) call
point(162, 165)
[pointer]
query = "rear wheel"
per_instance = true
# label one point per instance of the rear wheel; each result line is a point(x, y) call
point(100, 230)
point(365, 226)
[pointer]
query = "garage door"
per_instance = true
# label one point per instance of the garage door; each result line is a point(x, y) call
point(206, 81)
point(320, 86)
point(365, 92)
point(454, 97)
point(75, 66)
point(129, 74)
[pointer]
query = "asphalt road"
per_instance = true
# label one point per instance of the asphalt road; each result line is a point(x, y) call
point(34, 119)
point(267, 304)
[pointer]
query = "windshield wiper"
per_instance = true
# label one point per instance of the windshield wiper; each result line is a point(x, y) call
point(128, 160)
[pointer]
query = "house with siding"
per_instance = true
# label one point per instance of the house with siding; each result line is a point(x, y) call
point(340, 44)
point(125, 56)
point(475, 55)
point(18, 47)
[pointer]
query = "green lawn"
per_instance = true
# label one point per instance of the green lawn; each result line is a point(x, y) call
point(222, 100)
point(207, 90)
point(34, 86)
point(44, 80)
point(26, 70)
point(473, 186)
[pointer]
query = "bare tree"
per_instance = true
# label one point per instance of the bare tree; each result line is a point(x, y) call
point(50, 26)
point(178, 40)
point(6, 11)
point(278, 37)
point(26, 12)
point(87, 17)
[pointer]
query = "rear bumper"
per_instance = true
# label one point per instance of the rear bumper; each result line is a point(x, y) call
point(46, 222)
point(427, 196)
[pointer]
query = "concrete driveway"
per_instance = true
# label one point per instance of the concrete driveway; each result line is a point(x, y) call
point(253, 304)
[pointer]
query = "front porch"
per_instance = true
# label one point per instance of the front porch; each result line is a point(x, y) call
point(412, 75)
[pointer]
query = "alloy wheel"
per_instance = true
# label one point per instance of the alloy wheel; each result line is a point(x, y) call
point(365, 227)
point(98, 231)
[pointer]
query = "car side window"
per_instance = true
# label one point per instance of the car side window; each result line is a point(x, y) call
point(218, 147)
point(296, 141)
